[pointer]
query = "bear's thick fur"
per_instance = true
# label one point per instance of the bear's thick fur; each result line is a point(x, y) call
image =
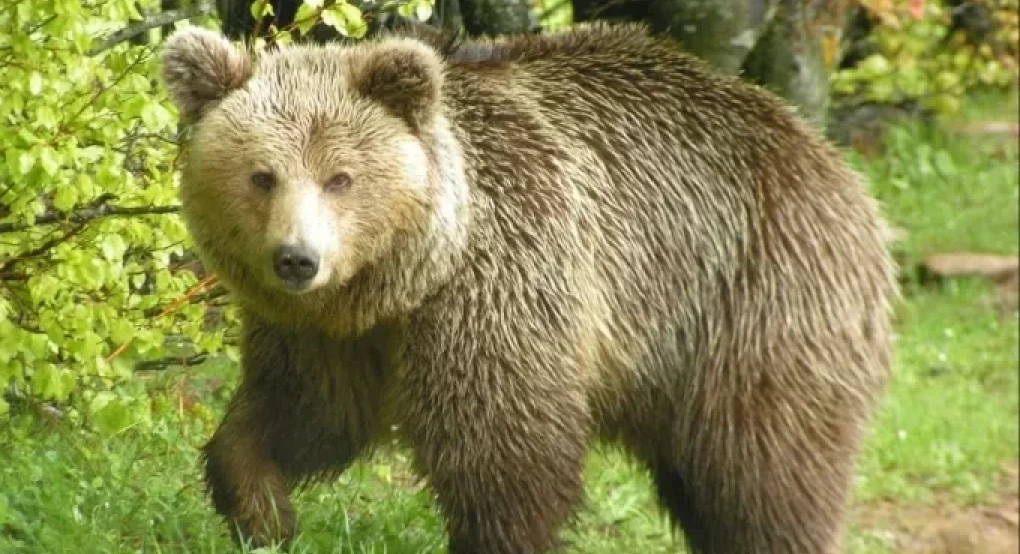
point(515, 247)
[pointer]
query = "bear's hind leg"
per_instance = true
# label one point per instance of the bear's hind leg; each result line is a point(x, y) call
point(766, 484)
point(774, 518)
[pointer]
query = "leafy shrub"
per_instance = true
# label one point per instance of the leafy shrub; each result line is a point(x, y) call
point(921, 53)
point(94, 273)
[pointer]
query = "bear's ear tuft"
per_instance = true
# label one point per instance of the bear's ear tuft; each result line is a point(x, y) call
point(404, 75)
point(199, 68)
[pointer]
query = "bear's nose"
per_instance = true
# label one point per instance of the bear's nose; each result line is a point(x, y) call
point(296, 264)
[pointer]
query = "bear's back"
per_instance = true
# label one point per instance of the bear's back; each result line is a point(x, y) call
point(673, 197)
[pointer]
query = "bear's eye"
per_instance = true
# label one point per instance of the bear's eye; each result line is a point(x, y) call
point(338, 183)
point(263, 180)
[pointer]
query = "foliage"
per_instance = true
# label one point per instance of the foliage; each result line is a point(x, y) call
point(348, 20)
point(553, 15)
point(94, 273)
point(919, 55)
point(345, 18)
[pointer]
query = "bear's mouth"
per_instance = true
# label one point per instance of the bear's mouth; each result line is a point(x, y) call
point(295, 287)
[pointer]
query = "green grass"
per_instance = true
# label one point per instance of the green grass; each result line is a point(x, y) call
point(951, 192)
point(943, 433)
point(950, 418)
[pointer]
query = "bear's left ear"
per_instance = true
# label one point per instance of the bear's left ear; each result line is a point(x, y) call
point(199, 68)
point(404, 75)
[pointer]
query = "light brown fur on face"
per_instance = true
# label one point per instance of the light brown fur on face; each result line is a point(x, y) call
point(548, 241)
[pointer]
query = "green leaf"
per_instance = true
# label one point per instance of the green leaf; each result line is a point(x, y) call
point(113, 247)
point(49, 161)
point(49, 383)
point(27, 137)
point(110, 416)
point(333, 17)
point(875, 65)
point(25, 162)
point(947, 80)
point(35, 83)
point(356, 26)
point(65, 198)
point(121, 331)
point(944, 164)
point(12, 371)
point(8, 348)
point(35, 347)
point(90, 154)
point(305, 18)
point(423, 10)
point(46, 117)
point(100, 400)
point(943, 103)
point(156, 117)
point(260, 9)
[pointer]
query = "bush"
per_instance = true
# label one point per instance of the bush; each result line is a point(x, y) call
point(929, 53)
point(94, 273)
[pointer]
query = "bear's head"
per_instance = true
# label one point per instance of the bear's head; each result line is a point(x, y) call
point(312, 166)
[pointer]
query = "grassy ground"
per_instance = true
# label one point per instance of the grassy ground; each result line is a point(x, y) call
point(943, 443)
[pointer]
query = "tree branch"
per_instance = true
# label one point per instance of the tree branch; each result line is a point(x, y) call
point(6, 273)
point(216, 292)
point(200, 8)
point(170, 361)
point(84, 215)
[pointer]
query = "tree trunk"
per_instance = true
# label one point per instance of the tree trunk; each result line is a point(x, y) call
point(496, 17)
point(788, 60)
point(721, 32)
point(779, 44)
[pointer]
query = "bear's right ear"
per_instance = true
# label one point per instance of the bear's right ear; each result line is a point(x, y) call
point(199, 68)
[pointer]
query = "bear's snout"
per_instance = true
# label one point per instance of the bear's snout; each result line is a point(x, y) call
point(296, 265)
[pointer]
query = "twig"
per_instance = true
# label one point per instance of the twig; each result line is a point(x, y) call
point(210, 295)
point(164, 18)
point(195, 289)
point(170, 361)
point(84, 215)
point(5, 269)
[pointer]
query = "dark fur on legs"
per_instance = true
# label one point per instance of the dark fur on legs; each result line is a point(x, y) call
point(275, 435)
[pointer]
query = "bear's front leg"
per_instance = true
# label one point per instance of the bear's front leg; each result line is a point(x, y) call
point(248, 488)
point(306, 407)
point(501, 436)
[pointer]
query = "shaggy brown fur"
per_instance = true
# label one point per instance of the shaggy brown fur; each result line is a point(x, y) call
point(549, 240)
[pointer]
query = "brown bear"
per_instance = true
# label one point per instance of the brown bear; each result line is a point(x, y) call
point(502, 251)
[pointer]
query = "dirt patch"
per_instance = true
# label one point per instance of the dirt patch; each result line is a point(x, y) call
point(945, 526)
